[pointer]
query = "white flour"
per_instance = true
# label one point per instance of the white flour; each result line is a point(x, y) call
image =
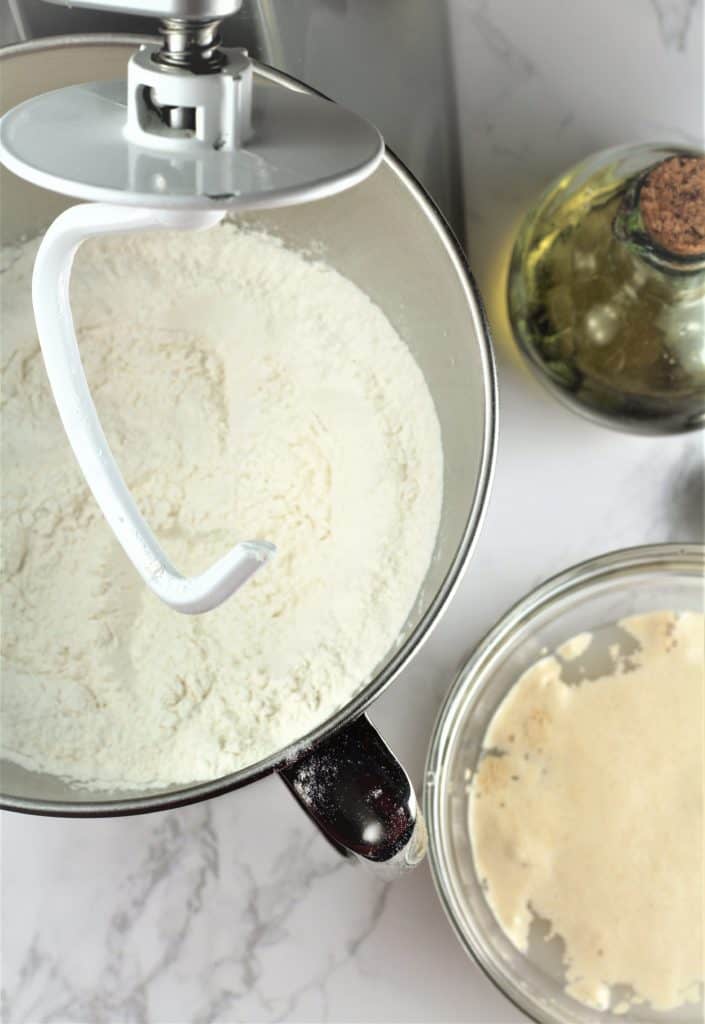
point(246, 392)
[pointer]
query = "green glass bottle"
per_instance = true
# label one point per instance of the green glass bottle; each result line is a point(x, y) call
point(607, 288)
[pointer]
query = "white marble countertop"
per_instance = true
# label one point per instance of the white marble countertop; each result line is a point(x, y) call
point(237, 910)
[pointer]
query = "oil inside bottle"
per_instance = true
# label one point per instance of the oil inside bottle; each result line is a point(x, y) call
point(615, 322)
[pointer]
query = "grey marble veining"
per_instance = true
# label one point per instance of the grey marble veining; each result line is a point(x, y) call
point(675, 18)
point(193, 926)
point(237, 910)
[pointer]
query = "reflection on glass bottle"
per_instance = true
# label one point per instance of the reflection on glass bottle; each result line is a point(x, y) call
point(607, 288)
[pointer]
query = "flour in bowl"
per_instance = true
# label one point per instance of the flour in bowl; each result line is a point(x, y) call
point(247, 392)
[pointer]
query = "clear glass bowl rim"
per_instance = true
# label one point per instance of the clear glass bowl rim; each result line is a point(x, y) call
point(685, 558)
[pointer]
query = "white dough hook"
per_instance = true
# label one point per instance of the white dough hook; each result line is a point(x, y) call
point(191, 133)
point(52, 311)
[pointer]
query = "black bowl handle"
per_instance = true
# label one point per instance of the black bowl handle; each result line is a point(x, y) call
point(361, 798)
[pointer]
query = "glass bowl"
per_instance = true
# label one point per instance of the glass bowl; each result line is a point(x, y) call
point(588, 596)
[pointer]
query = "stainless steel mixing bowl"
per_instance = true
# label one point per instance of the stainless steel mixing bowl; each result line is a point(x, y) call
point(387, 237)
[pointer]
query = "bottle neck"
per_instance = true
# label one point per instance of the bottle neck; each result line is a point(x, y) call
point(630, 229)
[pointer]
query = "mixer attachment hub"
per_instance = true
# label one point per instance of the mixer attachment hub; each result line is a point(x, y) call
point(171, 107)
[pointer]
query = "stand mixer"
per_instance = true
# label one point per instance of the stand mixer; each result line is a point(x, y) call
point(189, 136)
point(387, 238)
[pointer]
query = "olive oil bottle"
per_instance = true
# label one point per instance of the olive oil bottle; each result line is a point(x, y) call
point(607, 288)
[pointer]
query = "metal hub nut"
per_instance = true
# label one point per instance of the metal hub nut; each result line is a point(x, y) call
point(191, 46)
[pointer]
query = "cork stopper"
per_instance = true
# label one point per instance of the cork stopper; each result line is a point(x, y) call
point(672, 204)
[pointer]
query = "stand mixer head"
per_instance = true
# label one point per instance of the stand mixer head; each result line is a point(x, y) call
point(189, 136)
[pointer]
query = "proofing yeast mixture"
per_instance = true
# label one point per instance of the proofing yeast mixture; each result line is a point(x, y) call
point(247, 393)
point(587, 811)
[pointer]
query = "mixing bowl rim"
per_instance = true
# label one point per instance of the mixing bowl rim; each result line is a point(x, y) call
point(189, 794)
point(471, 680)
